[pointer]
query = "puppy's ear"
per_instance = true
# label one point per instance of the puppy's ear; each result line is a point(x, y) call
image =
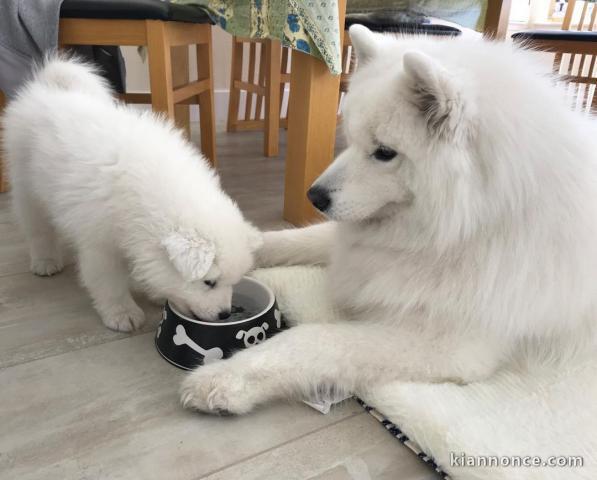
point(364, 42)
point(435, 93)
point(191, 254)
point(255, 238)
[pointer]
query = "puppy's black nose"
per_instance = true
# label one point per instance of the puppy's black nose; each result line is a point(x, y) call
point(224, 314)
point(319, 197)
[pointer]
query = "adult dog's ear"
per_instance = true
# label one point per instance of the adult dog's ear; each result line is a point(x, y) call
point(191, 254)
point(364, 42)
point(435, 93)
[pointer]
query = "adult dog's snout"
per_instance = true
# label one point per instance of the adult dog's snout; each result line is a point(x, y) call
point(319, 197)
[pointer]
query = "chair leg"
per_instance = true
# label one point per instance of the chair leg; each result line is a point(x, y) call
point(3, 174)
point(251, 79)
point(235, 74)
point(283, 71)
point(180, 77)
point(261, 79)
point(160, 68)
point(206, 99)
point(273, 53)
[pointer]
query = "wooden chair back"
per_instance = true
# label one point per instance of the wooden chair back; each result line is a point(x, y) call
point(578, 69)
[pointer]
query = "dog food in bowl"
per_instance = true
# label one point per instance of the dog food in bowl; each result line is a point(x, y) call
point(188, 342)
point(239, 312)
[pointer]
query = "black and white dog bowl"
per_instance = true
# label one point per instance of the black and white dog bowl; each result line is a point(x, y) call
point(188, 342)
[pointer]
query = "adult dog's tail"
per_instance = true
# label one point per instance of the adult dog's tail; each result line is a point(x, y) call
point(63, 73)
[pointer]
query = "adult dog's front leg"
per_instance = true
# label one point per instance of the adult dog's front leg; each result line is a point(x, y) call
point(349, 358)
point(297, 246)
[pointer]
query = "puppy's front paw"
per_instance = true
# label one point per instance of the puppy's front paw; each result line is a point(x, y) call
point(46, 267)
point(217, 390)
point(124, 318)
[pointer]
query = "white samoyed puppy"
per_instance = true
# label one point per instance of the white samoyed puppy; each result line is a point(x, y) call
point(464, 227)
point(128, 192)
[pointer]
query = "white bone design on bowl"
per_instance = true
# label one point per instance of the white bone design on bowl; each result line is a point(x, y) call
point(278, 317)
point(254, 335)
point(181, 338)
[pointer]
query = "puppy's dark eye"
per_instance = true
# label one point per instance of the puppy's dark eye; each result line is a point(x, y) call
point(384, 154)
point(210, 283)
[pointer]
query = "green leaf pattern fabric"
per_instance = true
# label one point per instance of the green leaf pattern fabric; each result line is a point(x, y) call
point(311, 26)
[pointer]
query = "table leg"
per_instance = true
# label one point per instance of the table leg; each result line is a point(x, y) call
point(313, 106)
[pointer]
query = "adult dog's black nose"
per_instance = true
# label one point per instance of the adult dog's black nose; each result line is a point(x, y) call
point(224, 314)
point(319, 197)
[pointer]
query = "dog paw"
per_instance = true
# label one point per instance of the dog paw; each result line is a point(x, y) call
point(473, 362)
point(214, 389)
point(46, 267)
point(124, 319)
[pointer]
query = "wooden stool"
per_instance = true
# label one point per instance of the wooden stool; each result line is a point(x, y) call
point(262, 81)
point(167, 30)
point(268, 72)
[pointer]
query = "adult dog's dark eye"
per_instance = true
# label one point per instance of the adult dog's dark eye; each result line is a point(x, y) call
point(210, 283)
point(384, 154)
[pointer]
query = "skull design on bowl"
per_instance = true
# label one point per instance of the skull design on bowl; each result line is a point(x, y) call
point(253, 336)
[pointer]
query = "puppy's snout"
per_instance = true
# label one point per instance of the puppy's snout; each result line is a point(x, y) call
point(319, 197)
point(224, 314)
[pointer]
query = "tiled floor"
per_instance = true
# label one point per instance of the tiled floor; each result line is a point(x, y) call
point(78, 401)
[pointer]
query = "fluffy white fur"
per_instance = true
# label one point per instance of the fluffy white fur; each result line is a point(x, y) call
point(478, 237)
point(127, 192)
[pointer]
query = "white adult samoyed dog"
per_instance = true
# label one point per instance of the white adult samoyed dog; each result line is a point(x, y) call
point(127, 192)
point(465, 211)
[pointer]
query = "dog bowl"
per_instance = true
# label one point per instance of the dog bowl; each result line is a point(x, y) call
point(188, 342)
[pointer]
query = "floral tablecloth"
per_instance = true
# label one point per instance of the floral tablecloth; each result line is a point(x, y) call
point(311, 26)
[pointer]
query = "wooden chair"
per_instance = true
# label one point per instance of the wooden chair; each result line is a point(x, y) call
point(575, 48)
point(261, 69)
point(167, 30)
point(260, 82)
